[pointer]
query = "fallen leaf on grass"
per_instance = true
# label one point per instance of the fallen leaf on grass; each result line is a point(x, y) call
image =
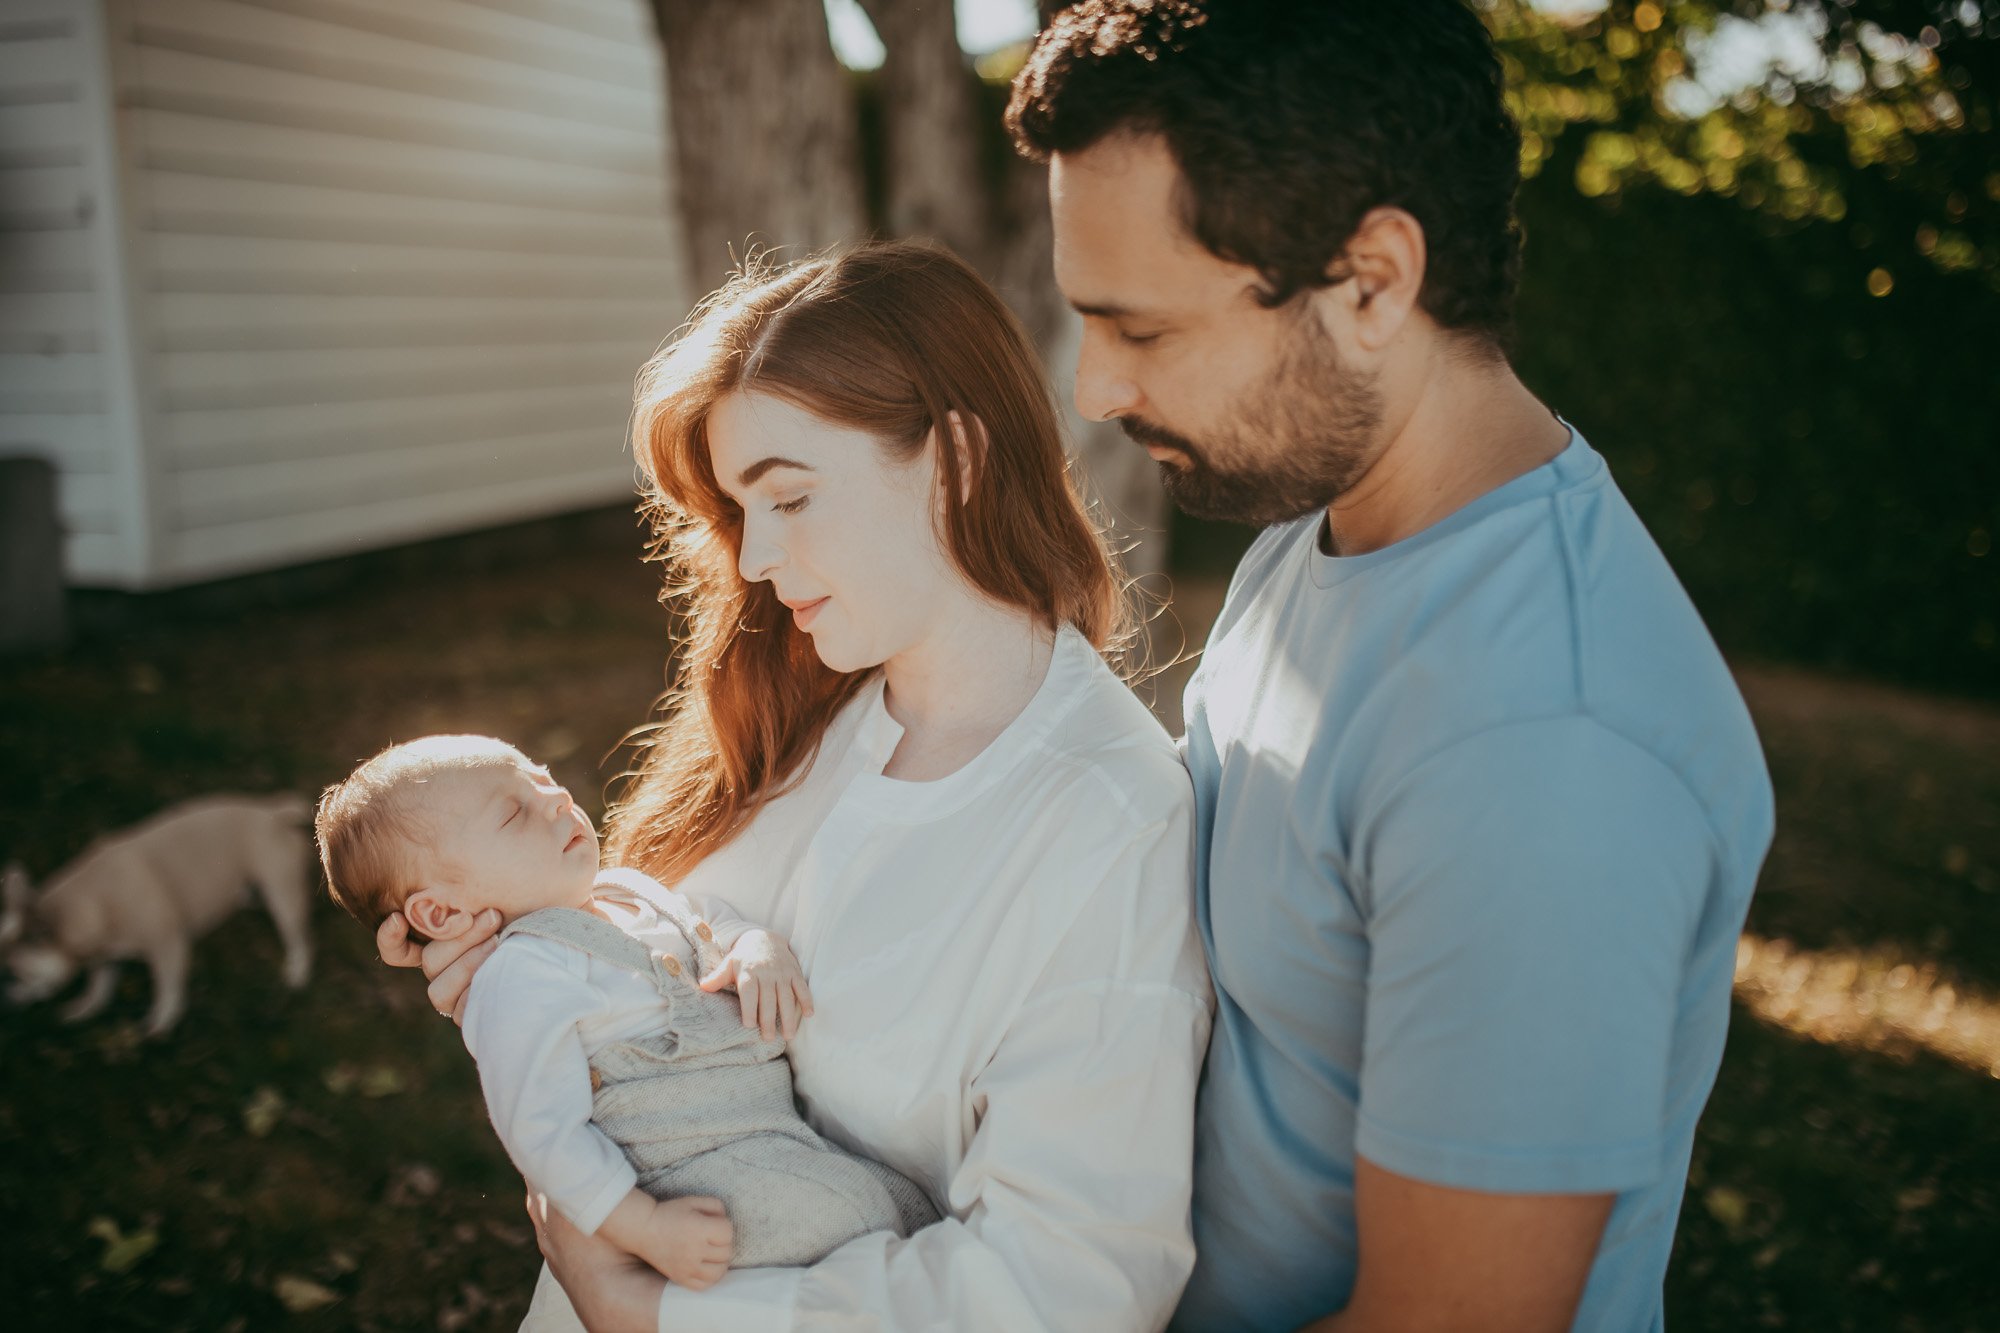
point(301, 1294)
point(119, 1043)
point(1920, 1196)
point(412, 1183)
point(1727, 1206)
point(121, 1251)
point(518, 1237)
point(266, 1109)
point(471, 1304)
point(369, 1081)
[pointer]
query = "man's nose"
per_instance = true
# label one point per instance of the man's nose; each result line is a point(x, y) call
point(1102, 392)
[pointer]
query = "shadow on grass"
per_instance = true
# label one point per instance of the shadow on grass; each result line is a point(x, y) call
point(1888, 822)
point(1835, 1189)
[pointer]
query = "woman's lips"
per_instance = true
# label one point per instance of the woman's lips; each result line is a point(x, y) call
point(802, 616)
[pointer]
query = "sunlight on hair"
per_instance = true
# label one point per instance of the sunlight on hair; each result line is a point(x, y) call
point(1870, 1000)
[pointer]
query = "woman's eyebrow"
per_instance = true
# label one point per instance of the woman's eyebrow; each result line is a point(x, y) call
point(757, 469)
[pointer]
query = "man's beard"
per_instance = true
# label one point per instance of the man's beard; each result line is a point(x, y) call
point(1305, 434)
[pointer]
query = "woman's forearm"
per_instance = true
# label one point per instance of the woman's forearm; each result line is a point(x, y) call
point(611, 1290)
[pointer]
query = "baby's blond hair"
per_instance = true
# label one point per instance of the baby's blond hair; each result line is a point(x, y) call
point(369, 824)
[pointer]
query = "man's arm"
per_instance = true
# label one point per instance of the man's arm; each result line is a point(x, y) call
point(1437, 1258)
point(1531, 894)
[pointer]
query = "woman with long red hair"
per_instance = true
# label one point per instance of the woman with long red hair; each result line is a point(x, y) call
point(894, 738)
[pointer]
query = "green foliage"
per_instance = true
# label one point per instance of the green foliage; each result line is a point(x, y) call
point(1778, 104)
point(1772, 311)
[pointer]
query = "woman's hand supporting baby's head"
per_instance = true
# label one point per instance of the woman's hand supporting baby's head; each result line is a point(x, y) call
point(448, 964)
point(441, 841)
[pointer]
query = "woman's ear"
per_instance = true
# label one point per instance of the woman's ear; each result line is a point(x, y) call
point(427, 911)
point(969, 442)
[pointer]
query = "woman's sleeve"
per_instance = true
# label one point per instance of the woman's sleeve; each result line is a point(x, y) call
point(1074, 1189)
point(520, 1025)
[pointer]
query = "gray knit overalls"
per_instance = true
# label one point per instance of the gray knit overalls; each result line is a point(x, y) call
point(705, 1107)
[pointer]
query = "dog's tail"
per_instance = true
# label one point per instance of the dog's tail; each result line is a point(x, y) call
point(290, 807)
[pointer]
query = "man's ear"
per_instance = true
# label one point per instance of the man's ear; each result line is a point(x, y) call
point(427, 911)
point(1379, 277)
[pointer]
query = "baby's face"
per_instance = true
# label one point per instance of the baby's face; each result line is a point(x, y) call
point(507, 835)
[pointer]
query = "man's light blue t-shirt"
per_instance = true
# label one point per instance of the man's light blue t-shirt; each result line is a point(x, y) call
point(1479, 817)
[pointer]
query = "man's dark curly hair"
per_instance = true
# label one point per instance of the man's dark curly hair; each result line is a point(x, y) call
point(1290, 120)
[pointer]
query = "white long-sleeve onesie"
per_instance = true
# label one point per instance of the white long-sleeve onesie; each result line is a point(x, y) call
point(537, 1011)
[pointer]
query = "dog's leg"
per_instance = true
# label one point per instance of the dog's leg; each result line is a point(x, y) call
point(169, 960)
point(289, 900)
point(97, 993)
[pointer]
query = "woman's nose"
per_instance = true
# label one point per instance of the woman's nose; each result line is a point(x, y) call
point(759, 557)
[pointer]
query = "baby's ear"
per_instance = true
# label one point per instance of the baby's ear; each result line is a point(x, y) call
point(427, 911)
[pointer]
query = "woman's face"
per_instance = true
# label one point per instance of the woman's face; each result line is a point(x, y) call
point(845, 534)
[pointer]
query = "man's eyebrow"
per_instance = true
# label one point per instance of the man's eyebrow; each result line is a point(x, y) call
point(1102, 310)
point(757, 469)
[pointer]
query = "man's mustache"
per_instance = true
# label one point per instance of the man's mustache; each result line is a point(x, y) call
point(1145, 432)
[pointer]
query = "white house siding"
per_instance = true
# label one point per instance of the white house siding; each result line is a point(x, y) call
point(400, 260)
point(56, 399)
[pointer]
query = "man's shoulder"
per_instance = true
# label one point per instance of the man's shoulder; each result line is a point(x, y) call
point(1567, 616)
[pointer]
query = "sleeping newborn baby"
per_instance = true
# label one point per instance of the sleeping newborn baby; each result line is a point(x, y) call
point(625, 1085)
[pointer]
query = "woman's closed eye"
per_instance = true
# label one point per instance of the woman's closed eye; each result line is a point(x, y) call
point(790, 506)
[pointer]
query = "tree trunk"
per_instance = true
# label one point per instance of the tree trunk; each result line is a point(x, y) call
point(763, 127)
point(929, 114)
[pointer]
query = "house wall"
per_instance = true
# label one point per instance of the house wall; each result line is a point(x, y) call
point(397, 264)
point(59, 330)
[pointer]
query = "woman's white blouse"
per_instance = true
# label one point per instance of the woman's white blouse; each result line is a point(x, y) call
point(1011, 1009)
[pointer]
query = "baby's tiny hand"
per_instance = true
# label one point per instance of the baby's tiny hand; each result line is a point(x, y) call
point(695, 1237)
point(768, 982)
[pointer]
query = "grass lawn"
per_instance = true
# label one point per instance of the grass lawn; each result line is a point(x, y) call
point(321, 1160)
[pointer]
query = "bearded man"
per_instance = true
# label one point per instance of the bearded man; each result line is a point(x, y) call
point(1480, 806)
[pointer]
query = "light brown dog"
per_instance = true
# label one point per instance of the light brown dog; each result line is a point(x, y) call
point(150, 892)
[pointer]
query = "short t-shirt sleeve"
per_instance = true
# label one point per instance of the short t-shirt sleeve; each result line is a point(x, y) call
point(1531, 895)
